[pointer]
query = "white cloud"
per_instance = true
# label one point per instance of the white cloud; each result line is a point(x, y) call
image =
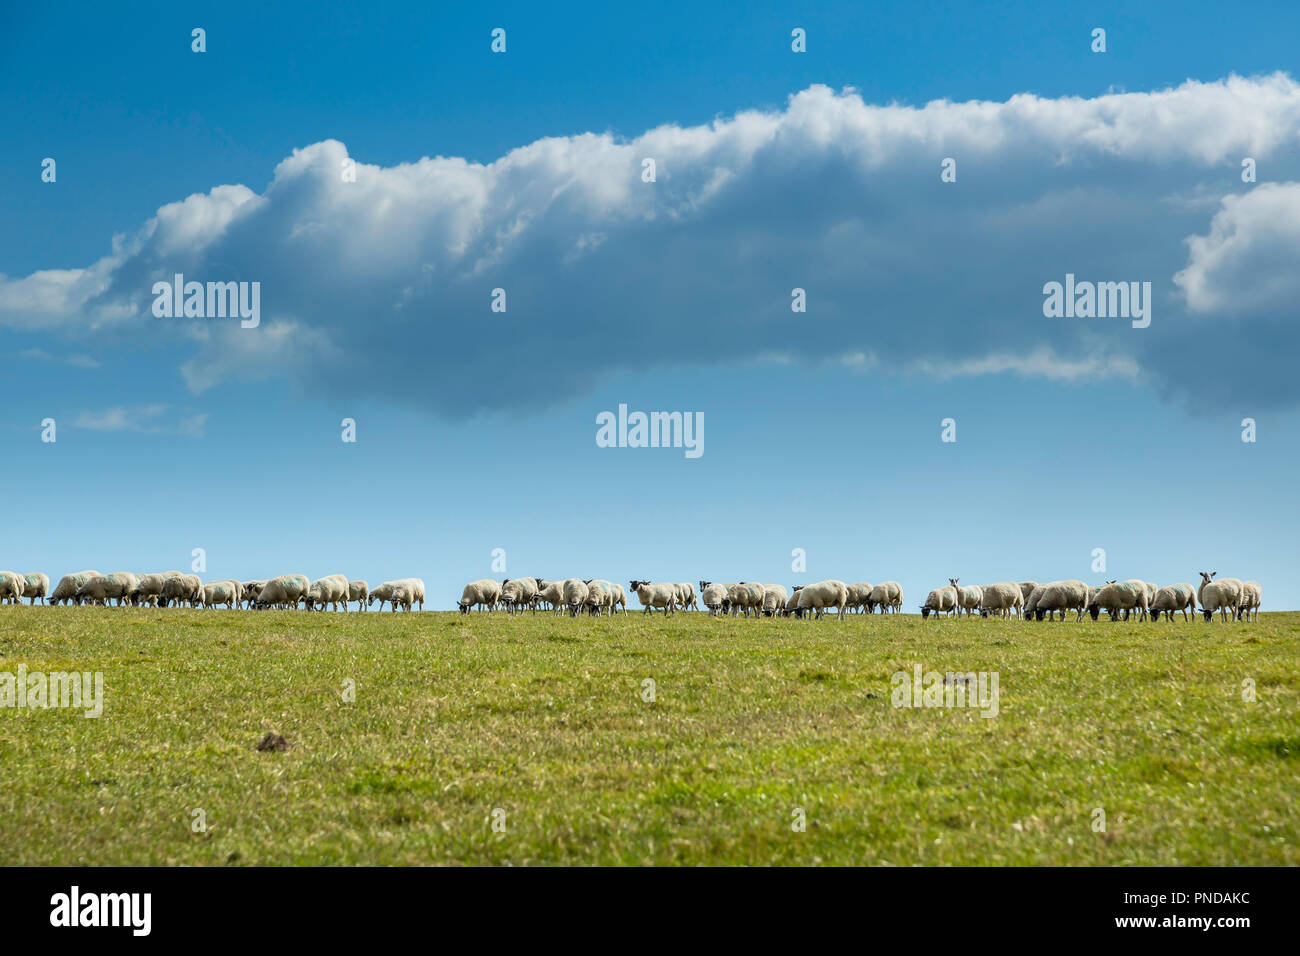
point(154, 419)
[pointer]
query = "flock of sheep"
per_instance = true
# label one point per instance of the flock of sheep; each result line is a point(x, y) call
point(172, 588)
point(1026, 599)
point(1119, 599)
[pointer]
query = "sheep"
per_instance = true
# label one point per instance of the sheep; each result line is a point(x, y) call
point(1001, 599)
point(712, 595)
point(968, 598)
point(940, 601)
point(483, 593)
point(1128, 596)
point(1026, 589)
point(251, 589)
point(823, 595)
point(1251, 596)
point(888, 597)
point(148, 589)
point(66, 589)
point(284, 591)
point(1231, 592)
point(655, 595)
point(859, 596)
point(774, 599)
point(12, 586)
point(181, 588)
point(416, 588)
point(103, 588)
point(513, 595)
point(575, 593)
point(35, 586)
point(745, 598)
point(1152, 591)
point(600, 595)
point(1032, 599)
point(221, 592)
point(1172, 598)
point(1222, 596)
point(329, 590)
point(1061, 596)
point(359, 591)
point(617, 597)
point(686, 598)
point(792, 605)
point(551, 592)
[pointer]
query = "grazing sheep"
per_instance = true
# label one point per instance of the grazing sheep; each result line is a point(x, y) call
point(552, 593)
point(251, 590)
point(1251, 596)
point(1032, 599)
point(103, 588)
point(284, 591)
point(1172, 598)
point(221, 592)
point(12, 586)
point(330, 590)
point(183, 589)
point(940, 601)
point(968, 598)
point(617, 597)
point(859, 596)
point(1070, 595)
point(1026, 589)
point(792, 605)
point(148, 589)
point(1127, 596)
point(686, 598)
point(383, 593)
point(824, 595)
point(1001, 599)
point(774, 599)
point(66, 589)
point(359, 591)
point(745, 598)
point(575, 592)
point(713, 595)
point(655, 595)
point(36, 586)
point(1152, 590)
point(514, 596)
point(484, 594)
point(1222, 596)
point(888, 597)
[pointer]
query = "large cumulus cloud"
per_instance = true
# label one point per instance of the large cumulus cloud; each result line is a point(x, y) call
point(380, 288)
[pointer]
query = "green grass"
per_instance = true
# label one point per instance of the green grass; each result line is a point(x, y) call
point(543, 718)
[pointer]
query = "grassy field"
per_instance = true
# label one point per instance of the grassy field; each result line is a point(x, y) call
point(544, 718)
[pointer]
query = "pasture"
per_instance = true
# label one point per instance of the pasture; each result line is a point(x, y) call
point(456, 718)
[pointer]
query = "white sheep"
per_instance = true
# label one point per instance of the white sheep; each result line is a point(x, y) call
point(888, 597)
point(713, 595)
point(792, 605)
point(66, 589)
point(942, 600)
point(686, 598)
point(968, 598)
point(330, 590)
point(1127, 596)
point(1230, 592)
point(552, 593)
point(359, 591)
point(824, 595)
point(221, 592)
point(35, 586)
point(181, 588)
point(1026, 589)
point(513, 595)
point(12, 586)
point(484, 594)
point(285, 591)
point(1032, 599)
point(745, 598)
point(1001, 599)
point(655, 595)
point(1171, 599)
point(1069, 595)
point(1251, 597)
point(575, 592)
point(103, 588)
point(859, 596)
point(774, 599)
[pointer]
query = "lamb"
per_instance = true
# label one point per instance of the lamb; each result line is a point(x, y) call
point(35, 586)
point(284, 591)
point(1130, 595)
point(940, 601)
point(103, 588)
point(1061, 596)
point(968, 598)
point(12, 586)
point(655, 595)
point(859, 596)
point(575, 592)
point(713, 595)
point(1231, 592)
point(1001, 599)
point(483, 593)
point(68, 585)
point(1251, 596)
point(888, 597)
point(774, 599)
point(359, 591)
point(823, 595)
point(181, 588)
point(331, 589)
point(221, 592)
point(1222, 596)
point(1172, 598)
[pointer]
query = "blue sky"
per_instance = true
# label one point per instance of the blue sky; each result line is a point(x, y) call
point(476, 430)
